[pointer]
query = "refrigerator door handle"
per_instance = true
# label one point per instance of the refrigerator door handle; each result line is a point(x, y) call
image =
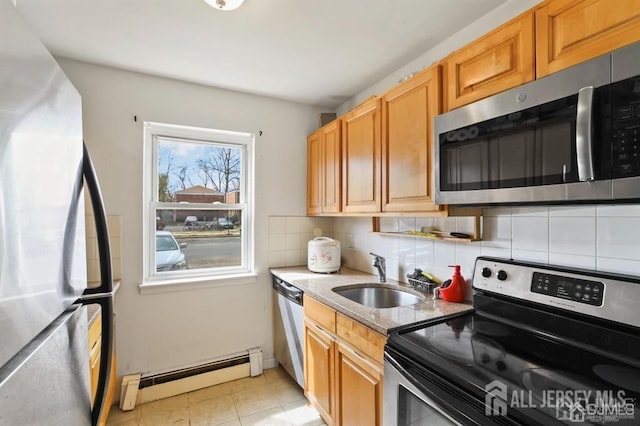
point(102, 231)
point(103, 294)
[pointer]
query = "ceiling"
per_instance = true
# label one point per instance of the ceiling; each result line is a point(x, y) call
point(318, 52)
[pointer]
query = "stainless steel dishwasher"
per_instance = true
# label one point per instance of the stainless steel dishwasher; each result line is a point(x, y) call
point(288, 327)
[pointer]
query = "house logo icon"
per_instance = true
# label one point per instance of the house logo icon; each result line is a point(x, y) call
point(495, 401)
point(568, 410)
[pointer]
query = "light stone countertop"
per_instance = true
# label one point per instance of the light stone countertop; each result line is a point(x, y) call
point(385, 320)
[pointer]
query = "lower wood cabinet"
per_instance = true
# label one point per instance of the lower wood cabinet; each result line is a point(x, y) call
point(342, 367)
point(319, 355)
point(359, 384)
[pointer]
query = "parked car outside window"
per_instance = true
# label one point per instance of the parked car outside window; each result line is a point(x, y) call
point(169, 255)
point(224, 223)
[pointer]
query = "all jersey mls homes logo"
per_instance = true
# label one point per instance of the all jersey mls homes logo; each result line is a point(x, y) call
point(598, 406)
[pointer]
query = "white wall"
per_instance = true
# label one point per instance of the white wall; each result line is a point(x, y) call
point(484, 24)
point(159, 332)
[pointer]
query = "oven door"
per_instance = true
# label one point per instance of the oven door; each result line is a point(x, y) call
point(546, 141)
point(412, 396)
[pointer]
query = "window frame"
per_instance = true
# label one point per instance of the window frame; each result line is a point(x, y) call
point(154, 131)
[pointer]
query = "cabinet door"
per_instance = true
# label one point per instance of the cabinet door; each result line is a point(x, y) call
point(500, 60)
point(407, 143)
point(331, 184)
point(572, 31)
point(319, 356)
point(314, 173)
point(359, 394)
point(361, 158)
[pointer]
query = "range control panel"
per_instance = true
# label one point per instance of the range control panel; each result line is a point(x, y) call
point(568, 288)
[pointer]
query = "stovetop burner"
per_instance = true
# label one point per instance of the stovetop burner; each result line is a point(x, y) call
point(622, 377)
point(551, 344)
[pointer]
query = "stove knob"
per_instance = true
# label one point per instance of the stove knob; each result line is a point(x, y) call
point(486, 272)
point(502, 275)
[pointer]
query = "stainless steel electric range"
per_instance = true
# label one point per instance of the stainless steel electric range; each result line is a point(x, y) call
point(545, 345)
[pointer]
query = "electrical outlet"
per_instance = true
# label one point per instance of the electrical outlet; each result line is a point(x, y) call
point(350, 243)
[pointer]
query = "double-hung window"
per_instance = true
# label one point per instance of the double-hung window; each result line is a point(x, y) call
point(198, 194)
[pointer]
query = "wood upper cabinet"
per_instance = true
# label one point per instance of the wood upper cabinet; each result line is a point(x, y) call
point(571, 31)
point(314, 173)
point(500, 60)
point(359, 389)
point(323, 169)
point(361, 158)
point(407, 143)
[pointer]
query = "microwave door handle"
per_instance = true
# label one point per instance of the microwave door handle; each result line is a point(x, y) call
point(584, 141)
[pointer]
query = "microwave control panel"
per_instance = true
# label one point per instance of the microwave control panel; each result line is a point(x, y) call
point(577, 290)
point(626, 128)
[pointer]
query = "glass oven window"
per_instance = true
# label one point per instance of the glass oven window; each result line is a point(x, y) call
point(413, 411)
point(532, 147)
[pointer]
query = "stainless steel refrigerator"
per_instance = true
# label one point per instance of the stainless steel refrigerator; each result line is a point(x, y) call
point(44, 354)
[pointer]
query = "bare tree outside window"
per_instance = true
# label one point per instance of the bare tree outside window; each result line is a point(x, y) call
point(199, 193)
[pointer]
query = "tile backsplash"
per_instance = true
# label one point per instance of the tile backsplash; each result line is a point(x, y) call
point(604, 238)
point(93, 264)
point(289, 235)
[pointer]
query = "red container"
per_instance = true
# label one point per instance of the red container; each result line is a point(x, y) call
point(454, 292)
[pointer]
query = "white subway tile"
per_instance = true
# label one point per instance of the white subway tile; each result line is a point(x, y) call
point(619, 237)
point(530, 211)
point(626, 210)
point(424, 254)
point(497, 211)
point(572, 211)
point(530, 233)
point(406, 224)
point(276, 242)
point(572, 235)
point(530, 255)
point(445, 224)
point(294, 257)
point(90, 228)
point(116, 247)
point(444, 253)
point(292, 241)
point(496, 232)
point(277, 225)
point(304, 240)
point(277, 258)
point(292, 224)
point(114, 222)
point(389, 224)
point(496, 252)
point(466, 254)
point(422, 222)
point(620, 266)
point(572, 260)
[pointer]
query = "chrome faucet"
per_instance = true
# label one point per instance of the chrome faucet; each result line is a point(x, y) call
point(380, 265)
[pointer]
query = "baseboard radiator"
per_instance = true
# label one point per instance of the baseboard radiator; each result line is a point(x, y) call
point(138, 389)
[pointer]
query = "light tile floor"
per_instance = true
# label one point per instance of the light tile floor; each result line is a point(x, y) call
point(272, 398)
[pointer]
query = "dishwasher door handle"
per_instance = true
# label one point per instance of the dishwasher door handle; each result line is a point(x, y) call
point(290, 292)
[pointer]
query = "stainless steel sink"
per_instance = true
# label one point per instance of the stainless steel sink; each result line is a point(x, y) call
point(375, 296)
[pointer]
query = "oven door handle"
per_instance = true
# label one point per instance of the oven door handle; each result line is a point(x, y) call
point(584, 141)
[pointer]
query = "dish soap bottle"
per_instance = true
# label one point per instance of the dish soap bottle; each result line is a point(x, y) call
point(454, 292)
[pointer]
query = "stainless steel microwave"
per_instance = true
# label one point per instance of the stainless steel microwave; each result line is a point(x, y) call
point(573, 136)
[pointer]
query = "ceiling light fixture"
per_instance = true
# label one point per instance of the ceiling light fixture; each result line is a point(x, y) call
point(225, 5)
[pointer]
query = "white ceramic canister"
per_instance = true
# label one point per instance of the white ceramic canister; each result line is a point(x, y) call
point(323, 255)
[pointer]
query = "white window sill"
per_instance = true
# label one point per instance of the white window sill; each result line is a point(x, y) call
point(183, 284)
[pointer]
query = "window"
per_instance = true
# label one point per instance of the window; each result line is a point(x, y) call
point(198, 202)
